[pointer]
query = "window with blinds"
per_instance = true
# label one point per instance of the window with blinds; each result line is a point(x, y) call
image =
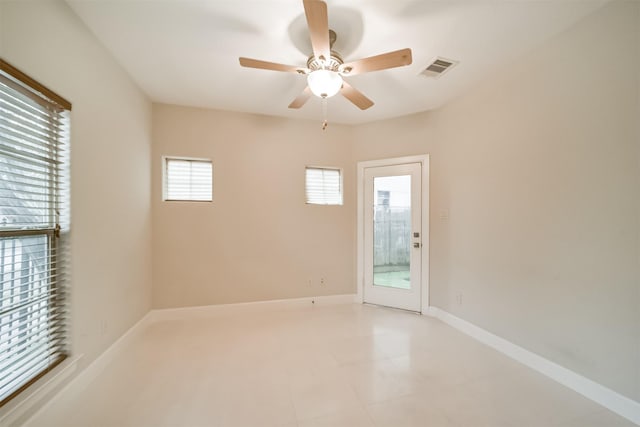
point(323, 186)
point(34, 202)
point(188, 180)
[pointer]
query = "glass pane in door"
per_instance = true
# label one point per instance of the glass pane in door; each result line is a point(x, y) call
point(392, 231)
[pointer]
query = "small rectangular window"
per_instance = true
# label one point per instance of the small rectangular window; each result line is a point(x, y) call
point(323, 186)
point(188, 180)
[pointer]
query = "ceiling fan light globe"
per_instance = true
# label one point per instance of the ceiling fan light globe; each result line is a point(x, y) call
point(324, 83)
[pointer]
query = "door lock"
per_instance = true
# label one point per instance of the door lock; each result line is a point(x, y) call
point(416, 245)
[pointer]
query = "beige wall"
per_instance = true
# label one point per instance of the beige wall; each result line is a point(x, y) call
point(538, 167)
point(257, 240)
point(110, 167)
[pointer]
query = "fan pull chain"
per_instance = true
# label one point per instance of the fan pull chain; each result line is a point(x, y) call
point(325, 123)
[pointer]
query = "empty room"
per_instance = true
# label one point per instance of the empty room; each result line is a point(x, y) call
point(304, 213)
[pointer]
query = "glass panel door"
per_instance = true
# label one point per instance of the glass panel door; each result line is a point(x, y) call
point(392, 236)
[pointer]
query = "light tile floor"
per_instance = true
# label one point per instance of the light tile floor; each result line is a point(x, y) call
point(348, 365)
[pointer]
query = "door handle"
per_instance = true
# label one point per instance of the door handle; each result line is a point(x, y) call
point(416, 245)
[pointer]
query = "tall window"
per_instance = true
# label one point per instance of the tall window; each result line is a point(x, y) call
point(34, 224)
point(323, 186)
point(188, 180)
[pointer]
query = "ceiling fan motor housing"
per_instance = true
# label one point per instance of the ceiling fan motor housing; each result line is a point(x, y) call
point(331, 64)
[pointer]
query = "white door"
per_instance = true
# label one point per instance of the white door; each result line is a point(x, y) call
point(393, 236)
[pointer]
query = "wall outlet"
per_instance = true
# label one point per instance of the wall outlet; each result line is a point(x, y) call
point(310, 282)
point(323, 281)
point(459, 299)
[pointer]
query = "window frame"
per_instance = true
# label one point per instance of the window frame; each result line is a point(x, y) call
point(165, 178)
point(57, 249)
point(330, 168)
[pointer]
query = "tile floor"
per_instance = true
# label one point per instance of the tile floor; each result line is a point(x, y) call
point(345, 365)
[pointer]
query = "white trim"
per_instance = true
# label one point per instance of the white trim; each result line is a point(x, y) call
point(84, 378)
point(600, 394)
point(604, 396)
point(102, 361)
point(248, 307)
point(424, 161)
point(20, 405)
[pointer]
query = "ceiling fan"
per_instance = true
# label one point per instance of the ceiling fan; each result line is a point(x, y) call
point(325, 68)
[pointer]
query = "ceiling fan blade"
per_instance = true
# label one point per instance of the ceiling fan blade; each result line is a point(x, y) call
point(318, 23)
point(355, 96)
point(301, 99)
point(265, 65)
point(393, 59)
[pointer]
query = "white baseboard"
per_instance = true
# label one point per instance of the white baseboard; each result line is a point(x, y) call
point(615, 402)
point(249, 307)
point(19, 407)
point(604, 396)
point(84, 378)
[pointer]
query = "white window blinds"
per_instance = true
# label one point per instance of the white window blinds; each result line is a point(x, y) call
point(34, 202)
point(188, 180)
point(323, 186)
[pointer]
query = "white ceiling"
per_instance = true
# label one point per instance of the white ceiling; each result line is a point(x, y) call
point(186, 52)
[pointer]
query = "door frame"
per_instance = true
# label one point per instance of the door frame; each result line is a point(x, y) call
point(424, 210)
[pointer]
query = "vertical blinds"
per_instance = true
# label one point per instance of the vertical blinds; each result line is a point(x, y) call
point(187, 179)
point(34, 225)
point(323, 186)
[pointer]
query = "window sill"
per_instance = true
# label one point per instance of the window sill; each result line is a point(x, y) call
point(22, 407)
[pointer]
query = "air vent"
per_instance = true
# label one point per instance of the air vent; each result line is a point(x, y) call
point(438, 67)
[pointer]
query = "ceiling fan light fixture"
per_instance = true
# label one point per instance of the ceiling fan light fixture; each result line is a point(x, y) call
point(325, 67)
point(324, 83)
